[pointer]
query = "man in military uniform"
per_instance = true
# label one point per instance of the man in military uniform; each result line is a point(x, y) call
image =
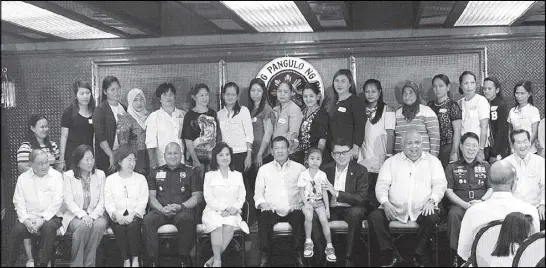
point(176, 190)
point(467, 185)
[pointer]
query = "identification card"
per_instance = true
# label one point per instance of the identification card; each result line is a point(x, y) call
point(254, 119)
point(494, 108)
point(342, 109)
point(282, 121)
point(443, 110)
point(90, 121)
point(161, 175)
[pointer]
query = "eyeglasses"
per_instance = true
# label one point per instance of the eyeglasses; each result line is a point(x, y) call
point(343, 153)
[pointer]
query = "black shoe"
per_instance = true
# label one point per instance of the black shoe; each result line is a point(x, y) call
point(185, 262)
point(347, 263)
point(455, 261)
point(417, 261)
point(299, 261)
point(263, 260)
point(395, 260)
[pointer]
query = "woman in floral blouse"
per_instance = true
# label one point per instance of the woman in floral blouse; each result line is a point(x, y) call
point(131, 129)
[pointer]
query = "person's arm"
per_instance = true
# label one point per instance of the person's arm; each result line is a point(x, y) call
point(23, 158)
point(195, 199)
point(20, 202)
point(151, 139)
point(247, 126)
point(191, 151)
point(197, 190)
point(534, 132)
point(384, 180)
point(433, 130)
point(241, 197)
point(57, 201)
point(268, 132)
point(62, 148)
point(109, 199)
point(390, 124)
point(99, 122)
point(322, 129)
point(439, 182)
point(456, 139)
point(260, 188)
point(325, 199)
point(69, 201)
point(294, 123)
point(124, 129)
point(466, 236)
point(209, 196)
point(358, 112)
point(360, 197)
point(501, 137)
point(143, 197)
point(154, 203)
point(99, 209)
point(487, 194)
point(455, 199)
point(483, 132)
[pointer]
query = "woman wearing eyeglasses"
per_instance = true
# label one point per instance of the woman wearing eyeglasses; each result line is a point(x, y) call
point(125, 198)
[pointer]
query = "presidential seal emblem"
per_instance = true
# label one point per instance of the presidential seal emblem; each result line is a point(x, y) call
point(291, 70)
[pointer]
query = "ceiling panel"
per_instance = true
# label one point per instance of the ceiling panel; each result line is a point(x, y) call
point(209, 11)
point(434, 13)
point(330, 14)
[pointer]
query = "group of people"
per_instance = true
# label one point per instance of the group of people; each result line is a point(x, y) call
point(345, 157)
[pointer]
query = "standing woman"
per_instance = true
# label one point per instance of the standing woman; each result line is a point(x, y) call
point(378, 142)
point(77, 122)
point(201, 129)
point(475, 110)
point(236, 127)
point(84, 203)
point(131, 129)
point(105, 119)
point(449, 118)
point(524, 115)
point(224, 194)
point(346, 117)
point(498, 117)
point(414, 115)
point(288, 116)
point(262, 122)
point(314, 128)
point(125, 200)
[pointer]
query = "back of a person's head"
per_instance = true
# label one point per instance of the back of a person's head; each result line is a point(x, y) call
point(515, 228)
point(503, 174)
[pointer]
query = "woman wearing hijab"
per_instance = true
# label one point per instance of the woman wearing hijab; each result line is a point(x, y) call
point(132, 129)
point(414, 115)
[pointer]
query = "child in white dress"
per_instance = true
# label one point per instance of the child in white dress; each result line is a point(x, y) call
point(315, 198)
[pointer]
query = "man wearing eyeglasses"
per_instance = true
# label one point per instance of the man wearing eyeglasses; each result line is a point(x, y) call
point(37, 199)
point(409, 187)
point(348, 190)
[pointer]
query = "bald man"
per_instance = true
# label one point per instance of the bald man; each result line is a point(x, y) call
point(37, 199)
point(409, 187)
point(501, 203)
point(176, 190)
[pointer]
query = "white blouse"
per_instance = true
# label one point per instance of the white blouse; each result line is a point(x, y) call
point(236, 130)
point(129, 194)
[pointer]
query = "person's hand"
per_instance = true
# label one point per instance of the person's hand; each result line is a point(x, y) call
point(197, 164)
point(248, 160)
point(232, 211)
point(329, 187)
point(327, 213)
point(541, 212)
point(259, 159)
point(60, 166)
point(224, 213)
point(264, 207)
point(474, 202)
point(88, 221)
point(307, 206)
point(112, 166)
point(453, 158)
point(492, 160)
point(354, 152)
point(118, 217)
point(480, 157)
point(390, 210)
point(29, 223)
point(428, 209)
point(129, 218)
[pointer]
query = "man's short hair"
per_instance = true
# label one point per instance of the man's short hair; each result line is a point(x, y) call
point(516, 132)
point(34, 153)
point(164, 88)
point(469, 135)
point(341, 142)
point(280, 138)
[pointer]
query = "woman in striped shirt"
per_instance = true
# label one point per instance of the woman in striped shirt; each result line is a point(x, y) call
point(414, 115)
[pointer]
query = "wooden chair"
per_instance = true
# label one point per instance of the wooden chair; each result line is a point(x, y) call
point(484, 244)
point(530, 252)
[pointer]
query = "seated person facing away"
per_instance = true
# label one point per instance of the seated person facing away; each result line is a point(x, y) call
point(467, 185)
point(515, 228)
point(348, 187)
point(529, 172)
point(277, 197)
point(38, 198)
point(175, 192)
point(315, 199)
point(501, 203)
point(409, 187)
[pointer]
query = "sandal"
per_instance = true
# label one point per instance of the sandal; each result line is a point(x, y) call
point(330, 254)
point(308, 250)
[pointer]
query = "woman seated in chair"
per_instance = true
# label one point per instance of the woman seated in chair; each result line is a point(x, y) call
point(224, 194)
point(514, 230)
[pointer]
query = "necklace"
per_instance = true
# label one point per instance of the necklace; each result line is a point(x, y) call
point(441, 103)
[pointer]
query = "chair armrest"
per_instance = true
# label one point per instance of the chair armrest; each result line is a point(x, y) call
point(246, 211)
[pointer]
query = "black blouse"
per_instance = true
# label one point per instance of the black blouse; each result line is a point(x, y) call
point(313, 128)
point(347, 120)
point(499, 127)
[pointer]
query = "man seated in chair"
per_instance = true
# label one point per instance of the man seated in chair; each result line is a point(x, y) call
point(277, 197)
point(501, 203)
point(409, 186)
point(529, 172)
point(348, 186)
point(37, 199)
point(176, 190)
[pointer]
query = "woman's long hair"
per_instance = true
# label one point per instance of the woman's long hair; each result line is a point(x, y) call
point(237, 106)
point(215, 151)
point(75, 105)
point(259, 82)
point(106, 83)
point(31, 137)
point(527, 85)
point(193, 92)
point(349, 75)
point(77, 156)
point(515, 228)
point(380, 103)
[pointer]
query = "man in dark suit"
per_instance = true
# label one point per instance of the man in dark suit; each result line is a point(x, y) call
point(348, 193)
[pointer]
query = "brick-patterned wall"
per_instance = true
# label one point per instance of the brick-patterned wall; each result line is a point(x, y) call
point(44, 86)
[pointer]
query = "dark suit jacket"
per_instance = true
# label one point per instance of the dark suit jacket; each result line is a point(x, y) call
point(105, 127)
point(356, 184)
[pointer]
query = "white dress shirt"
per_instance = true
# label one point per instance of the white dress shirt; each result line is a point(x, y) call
point(530, 178)
point(129, 194)
point(38, 196)
point(74, 197)
point(278, 186)
point(495, 208)
point(339, 185)
point(408, 185)
point(162, 129)
point(236, 130)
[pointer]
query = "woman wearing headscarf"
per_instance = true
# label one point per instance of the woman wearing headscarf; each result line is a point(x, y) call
point(131, 129)
point(414, 115)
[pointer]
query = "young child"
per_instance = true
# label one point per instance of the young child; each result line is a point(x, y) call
point(315, 198)
point(515, 228)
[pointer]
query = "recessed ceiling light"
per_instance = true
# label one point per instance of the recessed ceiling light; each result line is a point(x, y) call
point(490, 13)
point(39, 19)
point(270, 16)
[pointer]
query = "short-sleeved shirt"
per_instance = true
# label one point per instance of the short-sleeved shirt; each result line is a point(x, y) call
point(447, 112)
point(312, 185)
point(202, 129)
point(469, 181)
point(288, 120)
point(80, 128)
point(474, 111)
point(174, 186)
point(258, 127)
point(524, 118)
point(23, 153)
point(313, 128)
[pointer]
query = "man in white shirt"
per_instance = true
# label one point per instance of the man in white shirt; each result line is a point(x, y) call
point(164, 126)
point(409, 187)
point(277, 197)
point(37, 199)
point(501, 203)
point(529, 172)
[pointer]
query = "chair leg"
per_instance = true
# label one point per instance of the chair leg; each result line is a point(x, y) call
point(437, 247)
point(243, 244)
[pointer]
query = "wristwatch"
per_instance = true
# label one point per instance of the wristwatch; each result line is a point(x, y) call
point(432, 201)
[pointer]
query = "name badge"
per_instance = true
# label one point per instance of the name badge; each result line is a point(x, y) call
point(161, 175)
point(90, 121)
point(443, 110)
point(282, 121)
point(479, 169)
point(494, 108)
point(254, 119)
point(341, 109)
